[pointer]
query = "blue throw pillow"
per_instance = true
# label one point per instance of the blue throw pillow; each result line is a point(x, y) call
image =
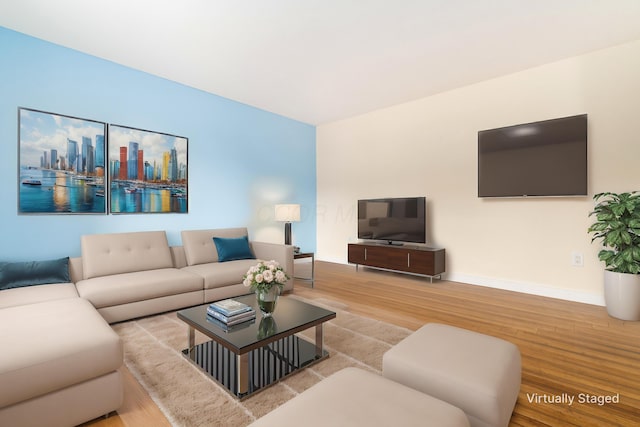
point(31, 273)
point(231, 249)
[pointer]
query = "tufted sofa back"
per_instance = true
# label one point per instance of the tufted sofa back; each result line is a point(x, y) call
point(116, 253)
point(199, 247)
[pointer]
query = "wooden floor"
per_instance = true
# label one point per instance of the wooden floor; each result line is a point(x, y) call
point(568, 349)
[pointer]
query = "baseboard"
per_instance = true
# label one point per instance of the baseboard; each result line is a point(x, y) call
point(528, 288)
point(518, 286)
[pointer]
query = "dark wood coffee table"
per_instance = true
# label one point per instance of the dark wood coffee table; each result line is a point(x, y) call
point(251, 357)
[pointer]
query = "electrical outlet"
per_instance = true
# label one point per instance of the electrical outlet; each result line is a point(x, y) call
point(577, 260)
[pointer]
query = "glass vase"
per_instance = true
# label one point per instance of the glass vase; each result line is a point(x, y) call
point(267, 300)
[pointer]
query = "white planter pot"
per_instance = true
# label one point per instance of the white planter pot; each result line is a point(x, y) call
point(622, 295)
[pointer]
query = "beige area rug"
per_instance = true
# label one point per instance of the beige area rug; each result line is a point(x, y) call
point(188, 397)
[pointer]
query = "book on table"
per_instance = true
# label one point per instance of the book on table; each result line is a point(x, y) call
point(232, 320)
point(230, 307)
point(230, 328)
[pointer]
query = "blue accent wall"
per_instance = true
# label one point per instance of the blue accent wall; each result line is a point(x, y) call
point(242, 160)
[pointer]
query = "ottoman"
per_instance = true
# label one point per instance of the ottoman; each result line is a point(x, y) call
point(354, 397)
point(477, 373)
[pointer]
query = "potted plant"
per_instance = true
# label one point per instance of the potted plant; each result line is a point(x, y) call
point(618, 226)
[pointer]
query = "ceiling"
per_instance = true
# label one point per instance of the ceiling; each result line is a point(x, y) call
point(319, 61)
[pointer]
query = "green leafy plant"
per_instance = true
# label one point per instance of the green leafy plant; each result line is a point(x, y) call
point(618, 225)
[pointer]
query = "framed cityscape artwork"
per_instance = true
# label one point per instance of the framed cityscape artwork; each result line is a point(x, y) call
point(61, 164)
point(147, 171)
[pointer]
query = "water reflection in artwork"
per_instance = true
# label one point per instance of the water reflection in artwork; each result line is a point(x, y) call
point(148, 171)
point(61, 164)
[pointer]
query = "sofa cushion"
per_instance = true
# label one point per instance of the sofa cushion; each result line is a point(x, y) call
point(116, 253)
point(36, 294)
point(218, 274)
point(53, 345)
point(233, 248)
point(137, 286)
point(199, 247)
point(31, 273)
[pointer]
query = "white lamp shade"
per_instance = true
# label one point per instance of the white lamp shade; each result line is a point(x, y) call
point(288, 213)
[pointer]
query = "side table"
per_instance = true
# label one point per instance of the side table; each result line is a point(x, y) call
point(311, 255)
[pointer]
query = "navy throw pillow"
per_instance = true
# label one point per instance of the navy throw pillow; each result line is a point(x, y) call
point(31, 273)
point(231, 249)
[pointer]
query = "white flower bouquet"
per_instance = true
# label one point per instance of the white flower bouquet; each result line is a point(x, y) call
point(265, 275)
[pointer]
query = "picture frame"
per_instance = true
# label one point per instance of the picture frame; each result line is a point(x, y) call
point(148, 171)
point(61, 164)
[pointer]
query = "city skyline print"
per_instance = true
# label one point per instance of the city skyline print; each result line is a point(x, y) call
point(147, 171)
point(61, 164)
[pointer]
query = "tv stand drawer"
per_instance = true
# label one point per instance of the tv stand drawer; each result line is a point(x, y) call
point(415, 259)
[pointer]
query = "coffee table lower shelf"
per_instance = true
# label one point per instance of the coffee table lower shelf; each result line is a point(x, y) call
point(265, 366)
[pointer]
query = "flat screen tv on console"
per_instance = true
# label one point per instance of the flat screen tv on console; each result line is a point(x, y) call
point(398, 219)
point(547, 158)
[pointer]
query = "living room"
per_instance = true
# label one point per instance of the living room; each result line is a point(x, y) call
point(244, 160)
point(427, 145)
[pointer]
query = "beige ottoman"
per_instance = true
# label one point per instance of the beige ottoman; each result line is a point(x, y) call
point(354, 397)
point(477, 373)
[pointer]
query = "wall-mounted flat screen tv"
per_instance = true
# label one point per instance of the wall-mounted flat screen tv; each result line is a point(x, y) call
point(546, 158)
point(398, 219)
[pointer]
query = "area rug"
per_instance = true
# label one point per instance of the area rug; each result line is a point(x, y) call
point(188, 397)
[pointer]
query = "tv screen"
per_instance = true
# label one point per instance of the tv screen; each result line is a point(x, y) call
point(392, 219)
point(547, 158)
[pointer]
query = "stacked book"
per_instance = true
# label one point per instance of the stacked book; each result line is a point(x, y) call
point(230, 313)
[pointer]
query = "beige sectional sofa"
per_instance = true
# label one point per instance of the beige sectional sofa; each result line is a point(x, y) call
point(224, 279)
point(61, 360)
point(128, 275)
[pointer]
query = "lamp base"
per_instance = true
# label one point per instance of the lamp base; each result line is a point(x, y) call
point(287, 233)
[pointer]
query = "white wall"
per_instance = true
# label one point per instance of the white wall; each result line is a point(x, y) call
point(429, 147)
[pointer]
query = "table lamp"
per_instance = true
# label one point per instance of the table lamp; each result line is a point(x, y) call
point(287, 214)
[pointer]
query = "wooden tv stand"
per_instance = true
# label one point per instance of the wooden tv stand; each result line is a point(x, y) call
point(419, 260)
